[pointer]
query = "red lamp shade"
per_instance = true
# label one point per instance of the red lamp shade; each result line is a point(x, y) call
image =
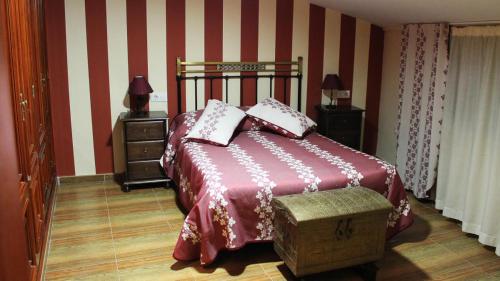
point(331, 82)
point(139, 86)
point(139, 90)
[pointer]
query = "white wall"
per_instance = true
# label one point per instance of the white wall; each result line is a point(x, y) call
point(386, 145)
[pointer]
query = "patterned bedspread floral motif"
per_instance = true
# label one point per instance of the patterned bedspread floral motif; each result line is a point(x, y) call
point(264, 194)
point(347, 168)
point(216, 190)
point(304, 172)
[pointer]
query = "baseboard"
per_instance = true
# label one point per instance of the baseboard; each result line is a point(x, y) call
point(47, 230)
point(101, 178)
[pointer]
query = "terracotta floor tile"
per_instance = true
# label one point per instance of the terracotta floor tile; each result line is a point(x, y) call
point(82, 252)
point(166, 193)
point(231, 272)
point(126, 220)
point(81, 188)
point(145, 245)
point(169, 205)
point(487, 261)
point(137, 232)
point(80, 206)
point(104, 271)
point(174, 214)
point(115, 189)
point(176, 224)
point(453, 270)
point(78, 239)
point(62, 228)
point(133, 201)
point(155, 273)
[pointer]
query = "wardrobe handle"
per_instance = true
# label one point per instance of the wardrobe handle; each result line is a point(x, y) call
point(23, 103)
point(33, 90)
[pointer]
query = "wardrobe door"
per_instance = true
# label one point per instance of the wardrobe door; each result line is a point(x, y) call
point(26, 111)
point(47, 167)
point(35, 123)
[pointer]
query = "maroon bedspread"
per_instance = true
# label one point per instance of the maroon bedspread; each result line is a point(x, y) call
point(228, 190)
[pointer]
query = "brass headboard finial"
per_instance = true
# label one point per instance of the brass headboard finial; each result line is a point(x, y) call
point(179, 66)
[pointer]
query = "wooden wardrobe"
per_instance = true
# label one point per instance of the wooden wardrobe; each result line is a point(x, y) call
point(24, 70)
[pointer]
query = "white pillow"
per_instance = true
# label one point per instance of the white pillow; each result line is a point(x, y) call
point(217, 123)
point(281, 116)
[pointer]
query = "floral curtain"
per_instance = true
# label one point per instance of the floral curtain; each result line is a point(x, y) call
point(422, 83)
point(468, 188)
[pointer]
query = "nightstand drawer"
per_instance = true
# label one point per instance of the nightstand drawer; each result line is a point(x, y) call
point(144, 170)
point(149, 130)
point(350, 139)
point(145, 150)
point(345, 121)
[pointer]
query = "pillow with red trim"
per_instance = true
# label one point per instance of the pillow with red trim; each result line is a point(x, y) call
point(250, 124)
point(217, 123)
point(281, 118)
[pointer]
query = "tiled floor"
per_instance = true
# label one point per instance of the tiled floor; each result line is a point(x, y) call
point(101, 233)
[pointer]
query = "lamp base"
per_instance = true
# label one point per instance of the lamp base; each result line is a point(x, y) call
point(331, 106)
point(139, 104)
point(139, 113)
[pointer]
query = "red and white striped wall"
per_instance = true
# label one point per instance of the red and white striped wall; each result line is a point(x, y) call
point(95, 47)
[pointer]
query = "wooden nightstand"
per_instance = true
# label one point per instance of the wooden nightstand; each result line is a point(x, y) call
point(342, 124)
point(145, 141)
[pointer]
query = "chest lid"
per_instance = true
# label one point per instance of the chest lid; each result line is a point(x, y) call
point(331, 203)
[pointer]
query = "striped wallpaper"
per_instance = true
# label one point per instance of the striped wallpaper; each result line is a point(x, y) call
point(95, 47)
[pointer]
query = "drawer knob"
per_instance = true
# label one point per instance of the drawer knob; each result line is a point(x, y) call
point(145, 130)
point(145, 150)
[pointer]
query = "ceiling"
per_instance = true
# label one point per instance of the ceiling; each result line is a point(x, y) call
point(388, 13)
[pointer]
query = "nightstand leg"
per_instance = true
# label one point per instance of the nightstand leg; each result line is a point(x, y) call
point(368, 271)
point(125, 188)
point(167, 185)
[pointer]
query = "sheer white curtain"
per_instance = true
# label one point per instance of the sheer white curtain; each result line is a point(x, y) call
point(423, 66)
point(468, 185)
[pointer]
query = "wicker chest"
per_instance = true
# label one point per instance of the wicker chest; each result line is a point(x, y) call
point(326, 230)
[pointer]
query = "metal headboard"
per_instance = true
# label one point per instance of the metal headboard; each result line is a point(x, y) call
point(214, 71)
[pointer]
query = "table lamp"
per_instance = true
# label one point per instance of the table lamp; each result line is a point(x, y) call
point(331, 84)
point(139, 90)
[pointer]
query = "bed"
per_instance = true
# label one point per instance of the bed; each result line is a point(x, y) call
point(227, 191)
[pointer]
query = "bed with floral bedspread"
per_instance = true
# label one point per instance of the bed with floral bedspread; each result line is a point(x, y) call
point(227, 191)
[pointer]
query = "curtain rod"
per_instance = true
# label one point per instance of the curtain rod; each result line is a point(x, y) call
point(475, 23)
point(462, 23)
point(452, 24)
